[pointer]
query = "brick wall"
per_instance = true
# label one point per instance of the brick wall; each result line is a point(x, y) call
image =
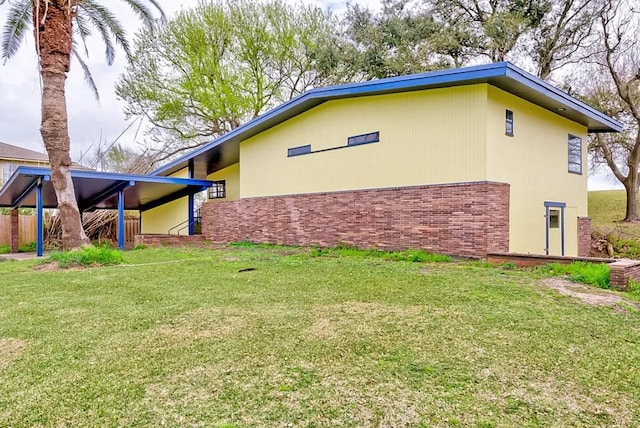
point(151, 240)
point(15, 231)
point(584, 236)
point(622, 271)
point(466, 219)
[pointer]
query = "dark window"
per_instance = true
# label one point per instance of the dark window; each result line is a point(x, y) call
point(554, 219)
point(508, 124)
point(218, 190)
point(575, 154)
point(372, 137)
point(297, 151)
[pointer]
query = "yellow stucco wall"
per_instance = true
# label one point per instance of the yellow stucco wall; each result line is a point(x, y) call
point(164, 217)
point(434, 136)
point(231, 175)
point(535, 163)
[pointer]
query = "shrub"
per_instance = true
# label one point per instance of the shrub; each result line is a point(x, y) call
point(27, 248)
point(596, 274)
point(5, 249)
point(87, 256)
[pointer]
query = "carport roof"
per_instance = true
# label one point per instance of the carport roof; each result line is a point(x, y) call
point(98, 190)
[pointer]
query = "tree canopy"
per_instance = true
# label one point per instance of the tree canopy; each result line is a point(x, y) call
point(211, 68)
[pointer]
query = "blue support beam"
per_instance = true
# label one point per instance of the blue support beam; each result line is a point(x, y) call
point(191, 203)
point(39, 220)
point(121, 220)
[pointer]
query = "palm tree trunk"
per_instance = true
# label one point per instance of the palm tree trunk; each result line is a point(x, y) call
point(53, 32)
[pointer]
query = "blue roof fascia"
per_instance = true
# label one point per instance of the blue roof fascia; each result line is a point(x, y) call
point(560, 96)
point(319, 95)
point(478, 73)
point(98, 175)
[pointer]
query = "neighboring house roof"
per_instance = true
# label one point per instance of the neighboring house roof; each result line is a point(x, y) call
point(8, 151)
point(224, 151)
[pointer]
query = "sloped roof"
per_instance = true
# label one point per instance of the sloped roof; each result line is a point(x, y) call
point(224, 151)
point(8, 151)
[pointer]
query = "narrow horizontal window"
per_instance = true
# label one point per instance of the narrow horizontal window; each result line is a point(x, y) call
point(218, 190)
point(508, 124)
point(575, 154)
point(372, 137)
point(300, 150)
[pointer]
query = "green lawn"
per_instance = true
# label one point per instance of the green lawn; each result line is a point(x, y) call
point(181, 338)
point(607, 209)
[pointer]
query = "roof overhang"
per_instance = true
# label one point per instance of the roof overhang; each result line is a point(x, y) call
point(98, 190)
point(224, 151)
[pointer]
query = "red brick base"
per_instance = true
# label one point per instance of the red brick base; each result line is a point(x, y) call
point(15, 231)
point(167, 240)
point(584, 236)
point(466, 219)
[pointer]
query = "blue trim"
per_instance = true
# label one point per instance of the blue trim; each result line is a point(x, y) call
point(546, 219)
point(121, 219)
point(561, 205)
point(46, 172)
point(562, 229)
point(26, 193)
point(39, 221)
point(191, 201)
point(502, 72)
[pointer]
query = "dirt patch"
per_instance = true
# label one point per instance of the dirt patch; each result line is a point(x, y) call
point(10, 349)
point(590, 295)
point(204, 323)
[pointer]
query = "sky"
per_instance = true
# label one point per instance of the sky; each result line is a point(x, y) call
point(92, 122)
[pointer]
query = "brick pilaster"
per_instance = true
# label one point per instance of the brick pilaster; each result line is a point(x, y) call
point(15, 232)
point(584, 236)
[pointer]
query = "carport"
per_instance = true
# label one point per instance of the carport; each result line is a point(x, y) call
point(31, 187)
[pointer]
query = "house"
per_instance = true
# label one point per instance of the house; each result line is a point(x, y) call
point(13, 156)
point(469, 162)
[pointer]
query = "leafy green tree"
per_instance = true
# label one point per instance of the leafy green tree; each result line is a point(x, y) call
point(59, 26)
point(212, 68)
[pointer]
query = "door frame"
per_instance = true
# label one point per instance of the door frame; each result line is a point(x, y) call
point(561, 205)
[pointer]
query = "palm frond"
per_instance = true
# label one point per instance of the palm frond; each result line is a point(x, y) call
point(86, 72)
point(18, 22)
point(144, 12)
point(82, 29)
point(107, 25)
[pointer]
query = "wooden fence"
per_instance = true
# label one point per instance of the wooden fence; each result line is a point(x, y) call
point(26, 229)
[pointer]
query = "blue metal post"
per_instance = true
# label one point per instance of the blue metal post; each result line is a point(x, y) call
point(191, 203)
point(39, 220)
point(546, 250)
point(562, 228)
point(121, 219)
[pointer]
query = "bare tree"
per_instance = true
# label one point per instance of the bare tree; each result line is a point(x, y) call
point(615, 89)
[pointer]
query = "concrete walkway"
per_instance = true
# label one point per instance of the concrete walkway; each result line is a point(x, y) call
point(20, 256)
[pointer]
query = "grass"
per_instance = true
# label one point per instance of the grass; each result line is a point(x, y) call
point(606, 210)
point(87, 256)
point(595, 274)
point(191, 337)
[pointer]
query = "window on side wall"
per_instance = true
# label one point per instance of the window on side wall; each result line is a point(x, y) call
point(508, 123)
point(7, 171)
point(575, 154)
point(356, 140)
point(218, 190)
